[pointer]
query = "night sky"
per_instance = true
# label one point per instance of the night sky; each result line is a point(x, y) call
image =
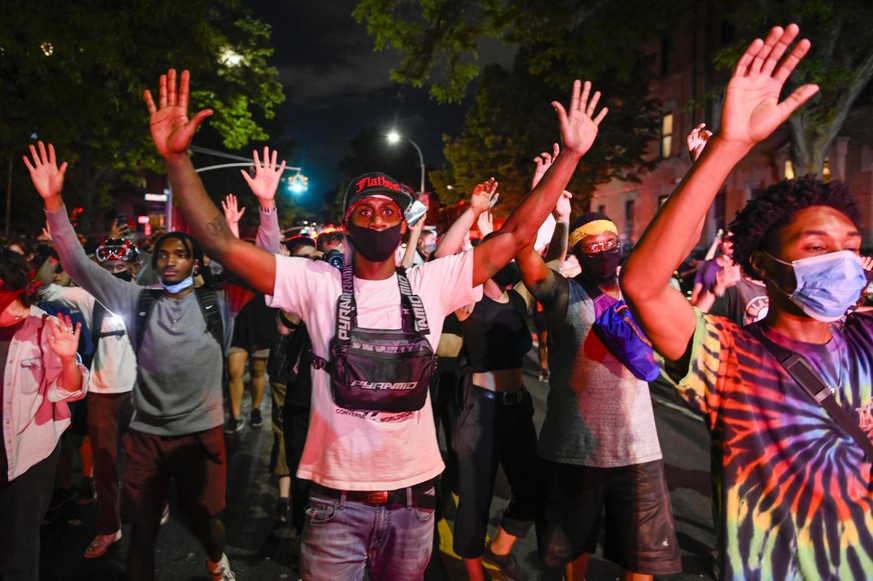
point(336, 86)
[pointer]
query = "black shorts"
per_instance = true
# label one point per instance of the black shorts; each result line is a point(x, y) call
point(197, 462)
point(633, 504)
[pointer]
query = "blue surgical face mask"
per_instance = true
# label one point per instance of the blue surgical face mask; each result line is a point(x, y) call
point(827, 285)
point(179, 286)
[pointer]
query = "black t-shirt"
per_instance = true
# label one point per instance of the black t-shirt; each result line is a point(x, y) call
point(496, 335)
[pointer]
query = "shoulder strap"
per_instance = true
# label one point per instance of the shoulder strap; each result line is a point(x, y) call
point(207, 298)
point(798, 368)
point(411, 306)
point(346, 311)
point(144, 306)
point(97, 316)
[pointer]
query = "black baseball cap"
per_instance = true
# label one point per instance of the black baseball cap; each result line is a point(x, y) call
point(375, 184)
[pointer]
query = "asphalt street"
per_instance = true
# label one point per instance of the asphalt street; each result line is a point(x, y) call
point(260, 549)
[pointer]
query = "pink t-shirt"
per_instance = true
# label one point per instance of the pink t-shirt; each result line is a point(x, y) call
point(352, 450)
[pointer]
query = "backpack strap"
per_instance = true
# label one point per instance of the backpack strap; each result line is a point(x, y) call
point(207, 298)
point(144, 306)
point(97, 316)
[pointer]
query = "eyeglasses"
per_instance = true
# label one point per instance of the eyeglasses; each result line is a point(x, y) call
point(596, 247)
point(124, 251)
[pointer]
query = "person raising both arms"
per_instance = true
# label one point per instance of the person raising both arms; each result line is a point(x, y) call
point(791, 482)
point(372, 454)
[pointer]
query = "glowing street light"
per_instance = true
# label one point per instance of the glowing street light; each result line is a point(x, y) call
point(394, 137)
point(298, 183)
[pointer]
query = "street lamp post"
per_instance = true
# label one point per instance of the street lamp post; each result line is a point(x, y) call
point(394, 137)
point(240, 162)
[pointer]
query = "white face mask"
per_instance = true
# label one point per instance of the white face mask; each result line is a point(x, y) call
point(179, 286)
point(827, 285)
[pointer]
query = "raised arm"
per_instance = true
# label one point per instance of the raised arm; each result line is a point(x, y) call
point(750, 113)
point(480, 202)
point(172, 132)
point(557, 249)
point(264, 184)
point(412, 244)
point(232, 213)
point(579, 127)
point(48, 179)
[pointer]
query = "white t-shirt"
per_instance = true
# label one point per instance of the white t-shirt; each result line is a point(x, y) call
point(113, 368)
point(352, 450)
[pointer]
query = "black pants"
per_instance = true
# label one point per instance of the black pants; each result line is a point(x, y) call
point(23, 503)
point(295, 427)
point(447, 396)
point(491, 429)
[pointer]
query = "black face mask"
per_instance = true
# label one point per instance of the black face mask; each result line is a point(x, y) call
point(600, 266)
point(375, 245)
point(507, 275)
point(123, 275)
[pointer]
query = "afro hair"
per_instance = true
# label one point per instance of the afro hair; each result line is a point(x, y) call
point(755, 226)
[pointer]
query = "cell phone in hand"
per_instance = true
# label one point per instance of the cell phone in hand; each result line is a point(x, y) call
point(415, 212)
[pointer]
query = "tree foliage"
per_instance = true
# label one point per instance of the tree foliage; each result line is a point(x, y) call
point(73, 73)
point(439, 40)
point(510, 122)
point(840, 62)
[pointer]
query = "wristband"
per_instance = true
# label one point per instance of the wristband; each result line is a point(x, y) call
point(268, 210)
point(288, 324)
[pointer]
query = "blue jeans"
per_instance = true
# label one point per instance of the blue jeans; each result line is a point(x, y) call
point(342, 539)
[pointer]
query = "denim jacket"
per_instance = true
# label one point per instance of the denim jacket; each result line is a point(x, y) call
point(35, 411)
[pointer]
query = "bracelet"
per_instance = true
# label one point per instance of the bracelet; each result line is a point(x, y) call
point(288, 324)
point(268, 210)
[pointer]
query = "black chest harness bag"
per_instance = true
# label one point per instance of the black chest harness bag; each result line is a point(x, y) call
point(379, 369)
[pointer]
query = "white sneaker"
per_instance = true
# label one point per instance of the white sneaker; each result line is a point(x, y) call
point(101, 544)
point(220, 571)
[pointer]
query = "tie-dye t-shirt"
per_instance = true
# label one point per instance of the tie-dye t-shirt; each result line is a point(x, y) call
point(791, 491)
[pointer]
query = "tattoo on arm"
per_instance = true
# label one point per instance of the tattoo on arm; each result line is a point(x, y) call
point(217, 227)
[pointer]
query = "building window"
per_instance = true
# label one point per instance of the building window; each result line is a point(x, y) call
point(666, 135)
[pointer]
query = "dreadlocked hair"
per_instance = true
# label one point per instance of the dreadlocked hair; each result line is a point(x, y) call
point(755, 226)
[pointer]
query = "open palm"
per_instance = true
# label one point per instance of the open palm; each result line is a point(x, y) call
point(172, 130)
point(579, 124)
point(751, 110)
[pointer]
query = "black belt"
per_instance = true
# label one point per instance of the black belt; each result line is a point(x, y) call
point(398, 497)
point(504, 397)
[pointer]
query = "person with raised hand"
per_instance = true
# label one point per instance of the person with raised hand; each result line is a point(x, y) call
point(792, 485)
point(367, 450)
point(598, 451)
point(42, 374)
point(177, 335)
